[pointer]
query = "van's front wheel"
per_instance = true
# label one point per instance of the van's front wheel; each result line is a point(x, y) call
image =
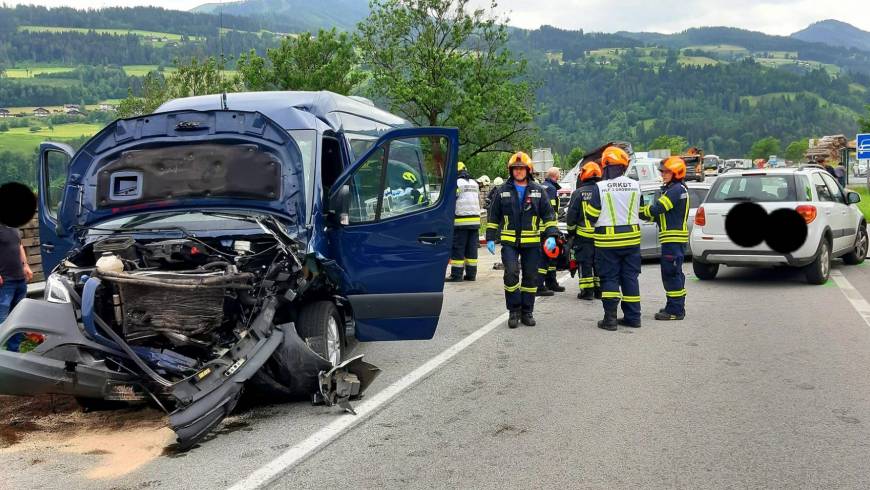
point(319, 324)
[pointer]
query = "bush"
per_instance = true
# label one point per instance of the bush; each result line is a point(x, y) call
point(35, 129)
point(4, 127)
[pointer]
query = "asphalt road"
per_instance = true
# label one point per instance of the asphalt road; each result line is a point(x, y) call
point(763, 385)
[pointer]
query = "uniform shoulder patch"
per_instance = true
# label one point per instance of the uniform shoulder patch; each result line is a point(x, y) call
point(505, 194)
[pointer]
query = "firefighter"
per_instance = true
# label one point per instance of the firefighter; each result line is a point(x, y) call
point(582, 232)
point(614, 209)
point(671, 211)
point(520, 214)
point(547, 282)
point(466, 228)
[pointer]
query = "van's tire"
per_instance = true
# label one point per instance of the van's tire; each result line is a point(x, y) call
point(859, 253)
point(819, 271)
point(320, 326)
point(704, 271)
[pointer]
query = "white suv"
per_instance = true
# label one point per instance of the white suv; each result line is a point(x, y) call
point(835, 226)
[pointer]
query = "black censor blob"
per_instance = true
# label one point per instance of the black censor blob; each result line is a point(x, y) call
point(17, 204)
point(786, 230)
point(746, 224)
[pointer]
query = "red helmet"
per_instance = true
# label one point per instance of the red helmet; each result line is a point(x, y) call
point(590, 171)
point(676, 166)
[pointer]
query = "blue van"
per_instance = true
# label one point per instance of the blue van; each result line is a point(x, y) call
point(231, 241)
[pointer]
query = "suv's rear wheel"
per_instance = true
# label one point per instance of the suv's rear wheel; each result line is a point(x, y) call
point(319, 324)
point(820, 270)
point(859, 253)
point(704, 271)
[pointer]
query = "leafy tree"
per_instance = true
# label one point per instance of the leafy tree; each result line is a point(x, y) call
point(864, 122)
point(571, 159)
point(441, 63)
point(4, 127)
point(796, 150)
point(765, 147)
point(677, 144)
point(192, 78)
point(305, 62)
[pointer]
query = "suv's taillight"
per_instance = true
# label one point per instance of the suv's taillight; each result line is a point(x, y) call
point(808, 212)
point(700, 217)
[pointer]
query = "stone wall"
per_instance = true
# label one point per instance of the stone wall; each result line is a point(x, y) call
point(30, 240)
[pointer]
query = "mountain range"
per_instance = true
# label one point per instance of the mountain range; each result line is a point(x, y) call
point(296, 15)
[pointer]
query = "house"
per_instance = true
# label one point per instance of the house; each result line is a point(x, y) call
point(67, 107)
point(41, 112)
point(5, 112)
point(74, 112)
point(107, 107)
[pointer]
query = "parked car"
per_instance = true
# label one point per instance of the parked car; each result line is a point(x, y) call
point(650, 248)
point(836, 227)
point(217, 245)
point(712, 164)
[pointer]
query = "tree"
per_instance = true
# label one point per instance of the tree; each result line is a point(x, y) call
point(573, 158)
point(192, 78)
point(765, 147)
point(440, 63)
point(305, 62)
point(677, 144)
point(796, 150)
point(864, 122)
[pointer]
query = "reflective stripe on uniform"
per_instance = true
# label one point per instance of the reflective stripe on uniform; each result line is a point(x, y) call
point(492, 226)
point(676, 294)
point(472, 262)
point(592, 210)
point(512, 289)
point(457, 263)
point(532, 290)
point(467, 220)
point(666, 202)
point(611, 295)
point(542, 271)
point(551, 269)
point(630, 206)
point(587, 281)
point(631, 299)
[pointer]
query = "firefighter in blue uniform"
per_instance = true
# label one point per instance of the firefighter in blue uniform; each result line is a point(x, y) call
point(547, 282)
point(520, 215)
point(614, 208)
point(466, 228)
point(671, 211)
point(582, 232)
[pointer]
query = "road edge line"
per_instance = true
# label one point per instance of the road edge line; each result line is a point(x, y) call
point(269, 472)
point(855, 299)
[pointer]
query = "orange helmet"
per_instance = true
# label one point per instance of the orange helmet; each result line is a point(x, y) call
point(521, 159)
point(676, 166)
point(590, 171)
point(614, 155)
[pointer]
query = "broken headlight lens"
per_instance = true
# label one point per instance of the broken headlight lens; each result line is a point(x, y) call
point(55, 291)
point(23, 342)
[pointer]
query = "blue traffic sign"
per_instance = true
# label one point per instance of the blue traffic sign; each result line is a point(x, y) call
point(863, 146)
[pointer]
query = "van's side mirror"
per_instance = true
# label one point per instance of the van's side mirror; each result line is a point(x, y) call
point(853, 198)
point(339, 204)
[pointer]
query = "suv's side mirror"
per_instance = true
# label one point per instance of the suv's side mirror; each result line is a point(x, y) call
point(853, 198)
point(339, 204)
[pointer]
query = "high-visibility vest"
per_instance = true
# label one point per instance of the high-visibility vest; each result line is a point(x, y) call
point(618, 224)
point(467, 204)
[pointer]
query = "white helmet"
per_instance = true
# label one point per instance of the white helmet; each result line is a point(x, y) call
point(483, 180)
point(498, 181)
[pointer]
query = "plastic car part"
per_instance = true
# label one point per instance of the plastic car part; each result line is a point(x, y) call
point(346, 382)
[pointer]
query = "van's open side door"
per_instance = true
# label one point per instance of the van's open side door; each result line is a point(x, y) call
point(54, 160)
point(391, 216)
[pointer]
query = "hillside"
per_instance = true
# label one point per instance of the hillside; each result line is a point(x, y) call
point(296, 15)
point(835, 33)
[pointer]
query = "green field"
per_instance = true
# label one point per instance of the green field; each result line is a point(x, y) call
point(23, 141)
point(721, 49)
point(38, 70)
point(142, 70)
point(168, 36)
point(864, 205)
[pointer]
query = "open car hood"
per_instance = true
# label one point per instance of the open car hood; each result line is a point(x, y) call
point(184, 160)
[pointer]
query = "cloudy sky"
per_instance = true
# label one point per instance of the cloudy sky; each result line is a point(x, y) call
point(771, 16)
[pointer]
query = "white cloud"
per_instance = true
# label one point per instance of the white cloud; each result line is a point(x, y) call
point(770, 16)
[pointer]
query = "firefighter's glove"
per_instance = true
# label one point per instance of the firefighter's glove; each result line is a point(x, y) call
point(490, 245)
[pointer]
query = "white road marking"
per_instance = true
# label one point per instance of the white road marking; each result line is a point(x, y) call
point(298, 453)
point(858, 302)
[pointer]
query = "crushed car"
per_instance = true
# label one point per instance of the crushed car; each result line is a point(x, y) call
point(233, 242)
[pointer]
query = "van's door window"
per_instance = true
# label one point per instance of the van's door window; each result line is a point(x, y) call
point(57, 163)
point(404, 176)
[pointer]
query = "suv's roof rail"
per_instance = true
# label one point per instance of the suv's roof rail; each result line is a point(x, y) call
point(810, 165)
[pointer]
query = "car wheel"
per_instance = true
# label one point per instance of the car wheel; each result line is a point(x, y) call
point(705, 271)
point(859, 253)
point(820, 270)
point(320, 326)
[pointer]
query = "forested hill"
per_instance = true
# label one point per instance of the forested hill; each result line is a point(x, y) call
point(296, 15)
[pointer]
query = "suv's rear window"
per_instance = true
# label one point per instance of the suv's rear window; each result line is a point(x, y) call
point(756, 188)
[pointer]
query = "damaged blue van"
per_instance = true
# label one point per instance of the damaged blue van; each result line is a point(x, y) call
point(233, 241)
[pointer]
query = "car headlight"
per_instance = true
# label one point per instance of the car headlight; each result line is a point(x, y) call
point(55, 291)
